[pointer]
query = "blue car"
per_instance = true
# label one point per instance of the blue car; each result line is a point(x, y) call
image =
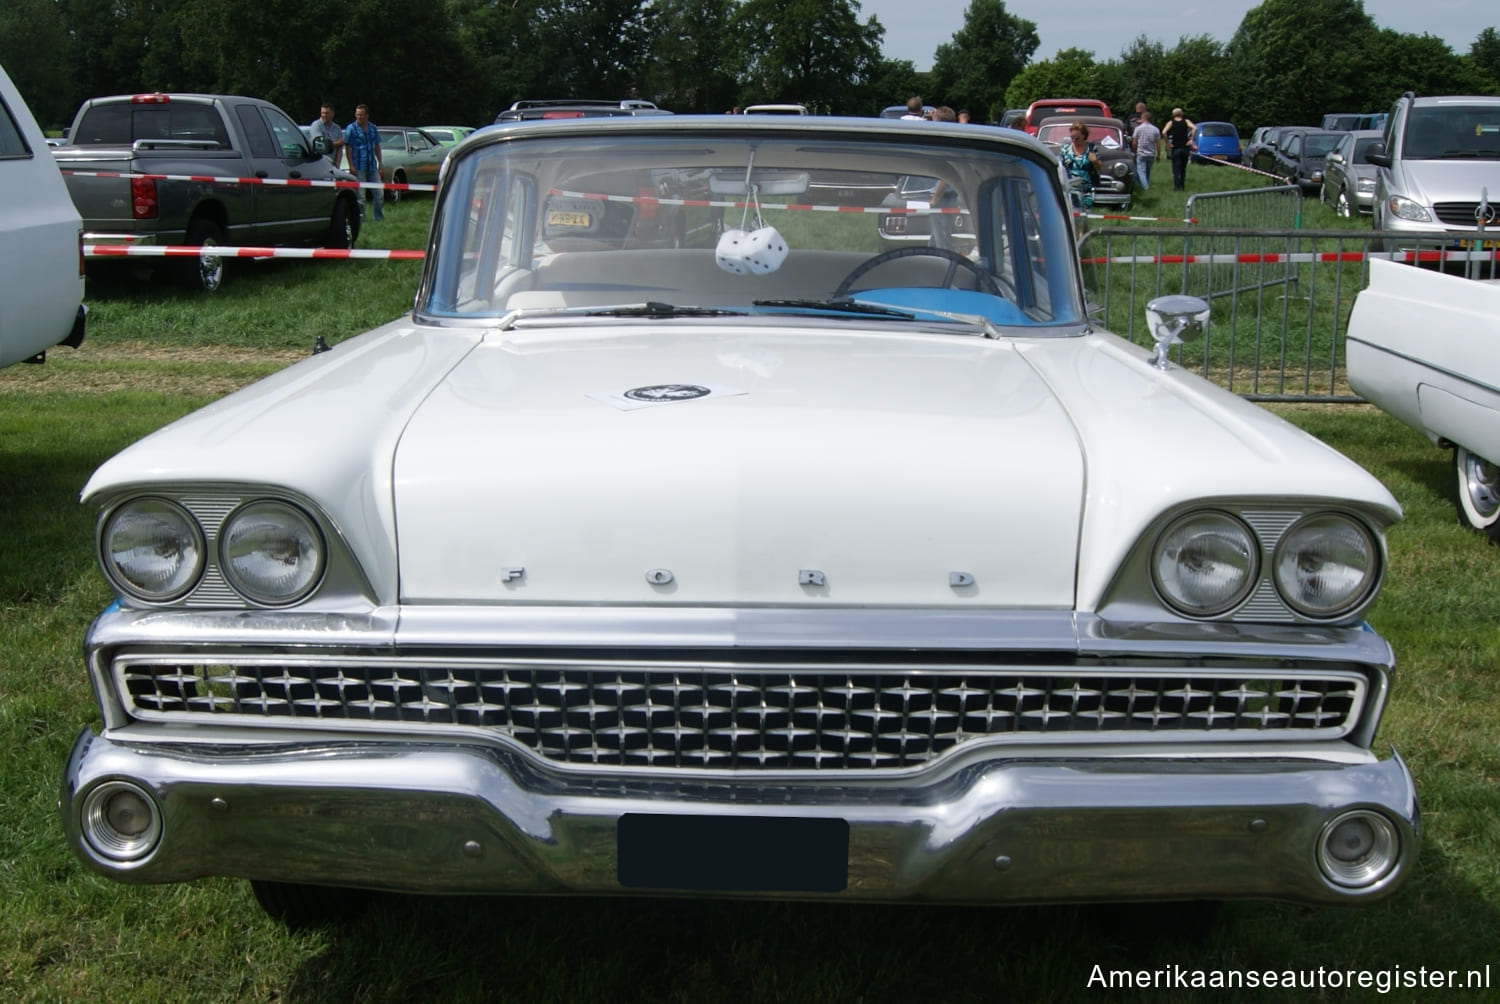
point(1216, 141)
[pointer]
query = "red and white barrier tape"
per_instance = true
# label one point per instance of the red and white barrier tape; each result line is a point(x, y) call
point(227, 251)
point(283, 182)
point(1294, 258)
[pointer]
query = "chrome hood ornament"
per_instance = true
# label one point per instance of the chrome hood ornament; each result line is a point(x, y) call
point(1175, 320)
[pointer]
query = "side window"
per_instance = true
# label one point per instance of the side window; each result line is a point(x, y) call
point(12, 143)
point(288, 138)
point(197, 122)
point(1294, 146)
point(261, 144)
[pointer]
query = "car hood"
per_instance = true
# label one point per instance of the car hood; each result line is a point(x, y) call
point(1431, 181)
point(811, 467)
point(472, 465)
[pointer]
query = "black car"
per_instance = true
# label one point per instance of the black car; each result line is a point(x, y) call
point(1298, 155)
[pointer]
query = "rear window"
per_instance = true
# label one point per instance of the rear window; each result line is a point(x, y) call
point(1218, 129)
point(12, 143)
point(121, 123)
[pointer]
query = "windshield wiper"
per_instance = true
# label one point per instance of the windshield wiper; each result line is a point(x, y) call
point(655, 308)
point(843, 305)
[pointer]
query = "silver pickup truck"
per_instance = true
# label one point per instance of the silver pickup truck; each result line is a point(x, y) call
point(210, 136)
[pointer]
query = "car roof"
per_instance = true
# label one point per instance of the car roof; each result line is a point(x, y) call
point(1455, 99)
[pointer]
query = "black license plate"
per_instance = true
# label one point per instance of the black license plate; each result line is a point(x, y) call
point(733, 853)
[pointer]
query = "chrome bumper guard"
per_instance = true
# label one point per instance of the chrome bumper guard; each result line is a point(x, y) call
point(445, 818)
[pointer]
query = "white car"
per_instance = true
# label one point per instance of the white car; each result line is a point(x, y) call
point(1422, 347)
point(784, 566)
point(41, 249)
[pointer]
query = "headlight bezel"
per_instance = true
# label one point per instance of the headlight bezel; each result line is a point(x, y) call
point(1254, 553)
point(1408, 209)
point(235, 580)
point(1369, 587)
point(108, 521)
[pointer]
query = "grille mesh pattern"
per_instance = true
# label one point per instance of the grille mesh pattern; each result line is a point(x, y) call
point(774, 718)
point(1457, 214)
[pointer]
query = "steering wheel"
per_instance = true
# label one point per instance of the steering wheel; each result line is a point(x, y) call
point(982, 279)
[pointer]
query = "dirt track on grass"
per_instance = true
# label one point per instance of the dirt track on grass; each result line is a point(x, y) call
point(196, 371)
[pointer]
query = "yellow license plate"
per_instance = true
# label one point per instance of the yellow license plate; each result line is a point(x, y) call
point(1221, 156)
point(556, 218)
point(1480, 245)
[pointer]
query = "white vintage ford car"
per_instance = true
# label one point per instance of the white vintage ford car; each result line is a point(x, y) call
point(683, 540)
point(1422, 346)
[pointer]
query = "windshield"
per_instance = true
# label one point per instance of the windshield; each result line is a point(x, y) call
point(753, 222)
point(1318, 145)
point(1453, 131)
point(1108, 137)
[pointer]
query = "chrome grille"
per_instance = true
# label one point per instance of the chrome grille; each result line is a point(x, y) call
point(1457, 214)
point(772, 717)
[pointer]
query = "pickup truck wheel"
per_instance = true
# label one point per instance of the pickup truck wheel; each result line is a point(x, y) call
point(302, 906)
point(341, 230)
point(1478, 483)
point(397, 194)
point(206, 272)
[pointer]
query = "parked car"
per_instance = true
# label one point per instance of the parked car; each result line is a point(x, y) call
point(1259, 141)
point(775, 109)
point(786, 568)
point(41, 253)
point(1421, 346)
point(1014, 118)
point(409, 156)
point(1298, 155)
point(1353, 121)
point(448, 135)
point(1216, 142)
point(1116, 181)
point(570, 108)
point(207, 136)
point(899, 111)
point(1348, 175)
point(1438, 165)
point(1039, 111)
point(910, 212)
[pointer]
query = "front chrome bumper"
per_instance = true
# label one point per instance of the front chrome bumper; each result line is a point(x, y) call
point(1047, 826)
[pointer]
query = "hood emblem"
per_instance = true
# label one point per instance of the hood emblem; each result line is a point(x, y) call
point(1486, 212)
point(668, 392)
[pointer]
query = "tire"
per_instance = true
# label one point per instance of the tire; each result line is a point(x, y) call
point(206, 273)
point(1341, 205)
point(397, 194)
point(343, 226)
point(1477, 486)
point(303, 906)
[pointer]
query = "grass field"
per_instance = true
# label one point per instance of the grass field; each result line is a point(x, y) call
point(155, 353)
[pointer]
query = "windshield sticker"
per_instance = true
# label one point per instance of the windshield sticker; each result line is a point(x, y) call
point(654, 394)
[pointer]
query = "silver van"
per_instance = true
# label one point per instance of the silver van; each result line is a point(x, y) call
point(1439, 165)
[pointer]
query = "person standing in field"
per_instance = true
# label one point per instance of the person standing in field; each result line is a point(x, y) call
point(1146, 141)
point(362, 144)
point(1179, 134)
point(326, 129)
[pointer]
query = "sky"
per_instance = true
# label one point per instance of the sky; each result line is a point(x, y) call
point(915, 28)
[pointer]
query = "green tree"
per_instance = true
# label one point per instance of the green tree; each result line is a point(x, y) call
point(1292, 60)
point(1421, 63)
point(1072, 73)
point(893, 81)
point(693, 56)
point(1485, 54)
point(34, 44)
point(816, 52)
point(594, 48)
point(986, 54)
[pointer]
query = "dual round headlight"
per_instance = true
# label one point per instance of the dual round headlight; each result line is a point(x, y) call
point(270, 552)
point(1207, 563)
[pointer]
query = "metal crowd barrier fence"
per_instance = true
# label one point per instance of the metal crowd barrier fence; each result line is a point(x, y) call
point(1277, 208)
point(1267, 343)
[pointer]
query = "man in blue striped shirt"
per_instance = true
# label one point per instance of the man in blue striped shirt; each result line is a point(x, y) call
point(362, 144)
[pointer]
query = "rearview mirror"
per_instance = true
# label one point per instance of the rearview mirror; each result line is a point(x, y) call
point(765, 182)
